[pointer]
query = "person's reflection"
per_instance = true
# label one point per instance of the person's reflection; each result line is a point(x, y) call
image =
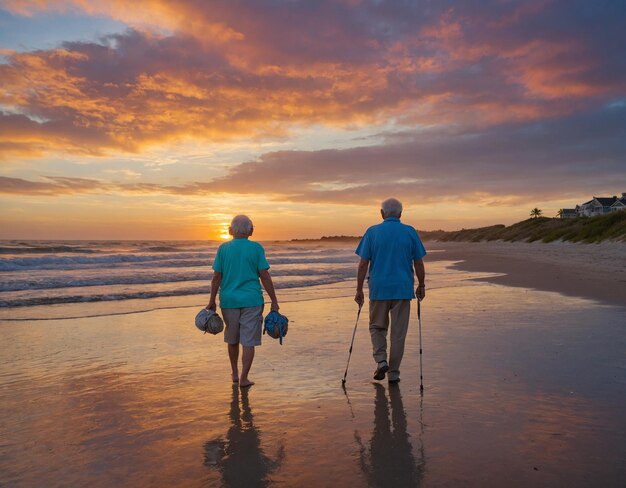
point(390, 460)
point(240, 457)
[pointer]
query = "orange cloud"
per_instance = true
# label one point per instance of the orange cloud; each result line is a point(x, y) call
point(227, 70)
point(503, 165)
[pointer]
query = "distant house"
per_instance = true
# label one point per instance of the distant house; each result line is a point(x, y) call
point(601, 205)
point(568, 213)
point(620, 204)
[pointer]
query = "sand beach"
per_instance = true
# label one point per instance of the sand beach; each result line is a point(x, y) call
point(595, 271)
point(524, 386)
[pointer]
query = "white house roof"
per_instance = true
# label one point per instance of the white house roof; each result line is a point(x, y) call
point(605, 201)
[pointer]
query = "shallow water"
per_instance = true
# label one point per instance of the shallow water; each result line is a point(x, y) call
point(522, 388)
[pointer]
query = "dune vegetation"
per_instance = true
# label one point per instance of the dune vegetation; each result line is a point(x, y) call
point(581, 229)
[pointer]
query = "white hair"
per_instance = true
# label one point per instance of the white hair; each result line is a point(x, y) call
point(391, 208)
point(241, 224)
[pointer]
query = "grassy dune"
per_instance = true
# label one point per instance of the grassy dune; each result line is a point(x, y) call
point(582, 229)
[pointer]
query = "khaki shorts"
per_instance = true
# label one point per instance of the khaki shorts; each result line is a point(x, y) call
point(243, 325)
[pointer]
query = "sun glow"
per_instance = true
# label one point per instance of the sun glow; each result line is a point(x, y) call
point(224, 235)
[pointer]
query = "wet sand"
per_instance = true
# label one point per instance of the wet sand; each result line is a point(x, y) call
point(595, 271)
point(520, 390)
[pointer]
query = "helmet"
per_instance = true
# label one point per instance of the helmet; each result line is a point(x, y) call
point(276, 325)
point(209, 321)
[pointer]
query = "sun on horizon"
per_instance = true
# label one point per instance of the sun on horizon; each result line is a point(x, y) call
point(224, 235)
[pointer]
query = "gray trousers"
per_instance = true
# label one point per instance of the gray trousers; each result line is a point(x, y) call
point(380, 312)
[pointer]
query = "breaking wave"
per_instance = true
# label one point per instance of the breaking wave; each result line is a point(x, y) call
point(55, 272)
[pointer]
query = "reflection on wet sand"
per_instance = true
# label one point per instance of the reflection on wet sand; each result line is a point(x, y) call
point(240, 458)
point(520, 392)
point(389, 461)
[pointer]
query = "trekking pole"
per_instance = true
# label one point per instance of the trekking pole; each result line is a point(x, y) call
point(419, 320)
point(343, 381)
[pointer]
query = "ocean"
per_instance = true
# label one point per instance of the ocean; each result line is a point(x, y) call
point(54, 272)
point(131, 274)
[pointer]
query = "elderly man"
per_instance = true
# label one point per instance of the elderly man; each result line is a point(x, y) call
point(391, 251)
point(238, 266)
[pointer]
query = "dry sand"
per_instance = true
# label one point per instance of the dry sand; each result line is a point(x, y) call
point(595, 271)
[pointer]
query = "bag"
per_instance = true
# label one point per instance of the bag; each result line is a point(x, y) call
point(276, 325)
point(209, 321)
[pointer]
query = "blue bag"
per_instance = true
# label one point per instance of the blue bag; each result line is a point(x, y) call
point(276, 325)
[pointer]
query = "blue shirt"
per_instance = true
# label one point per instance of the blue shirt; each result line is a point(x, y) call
point(240, 261)
point(391, 247)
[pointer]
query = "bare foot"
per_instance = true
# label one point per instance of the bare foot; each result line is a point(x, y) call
point(235, 377)
point(246, 384)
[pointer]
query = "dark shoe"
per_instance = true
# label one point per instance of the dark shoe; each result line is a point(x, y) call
point(379, 374)
point(394, 381)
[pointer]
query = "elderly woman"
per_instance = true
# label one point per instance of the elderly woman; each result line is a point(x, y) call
point(238, 266)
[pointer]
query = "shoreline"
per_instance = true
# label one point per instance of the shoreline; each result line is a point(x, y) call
point(582, 270)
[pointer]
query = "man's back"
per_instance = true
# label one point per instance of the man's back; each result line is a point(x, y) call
point(391, 247)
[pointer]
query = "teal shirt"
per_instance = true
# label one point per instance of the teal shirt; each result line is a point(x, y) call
point(240, 261)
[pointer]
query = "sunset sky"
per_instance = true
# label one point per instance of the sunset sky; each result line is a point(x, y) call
point(161, 120)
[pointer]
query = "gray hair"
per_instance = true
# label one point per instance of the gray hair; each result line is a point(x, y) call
point(241, 224)
point(391, 208)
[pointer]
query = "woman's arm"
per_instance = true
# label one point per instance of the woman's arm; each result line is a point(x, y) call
point(266, 280)
point(215, 285)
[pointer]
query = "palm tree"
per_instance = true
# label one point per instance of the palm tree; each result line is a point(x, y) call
point(559, 213)
point(535, 213)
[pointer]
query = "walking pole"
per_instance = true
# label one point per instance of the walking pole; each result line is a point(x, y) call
point(343, 381)
point(419, 319)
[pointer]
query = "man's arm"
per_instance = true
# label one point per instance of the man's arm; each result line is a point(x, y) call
point(361, 273)
point(215, 285)
point(268, 284)
point(420, 272)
